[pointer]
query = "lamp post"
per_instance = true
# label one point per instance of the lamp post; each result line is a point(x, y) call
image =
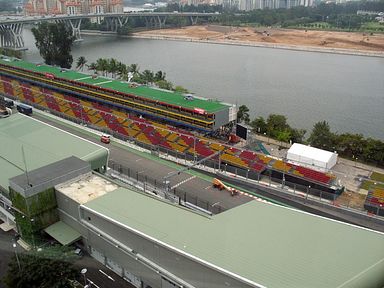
point(84, 271)
point(17, 256)
point(32, 233)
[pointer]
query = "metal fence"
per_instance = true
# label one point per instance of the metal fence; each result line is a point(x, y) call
point(157, 186)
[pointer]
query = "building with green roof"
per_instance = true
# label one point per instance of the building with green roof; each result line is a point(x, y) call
point(257, 244)
point(28, 145)
point(159, 104)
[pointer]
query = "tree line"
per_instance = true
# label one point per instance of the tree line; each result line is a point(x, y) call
point(118, 70)
point(348, 145)
point(324, 15)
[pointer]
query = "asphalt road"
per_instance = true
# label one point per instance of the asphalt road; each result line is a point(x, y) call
point(143, 164)
point(104, 279)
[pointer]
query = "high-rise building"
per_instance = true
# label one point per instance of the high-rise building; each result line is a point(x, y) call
point(72, 7)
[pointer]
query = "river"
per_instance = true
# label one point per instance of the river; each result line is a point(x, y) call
point(345, 90)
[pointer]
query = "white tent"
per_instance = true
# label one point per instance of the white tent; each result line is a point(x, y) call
point(310, 156)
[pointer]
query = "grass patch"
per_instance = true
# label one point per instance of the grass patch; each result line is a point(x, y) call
point(373, 26)
point(377, 177)
point(369, 184)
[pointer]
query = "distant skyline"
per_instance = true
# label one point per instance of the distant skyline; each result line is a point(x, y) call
point(73, 7)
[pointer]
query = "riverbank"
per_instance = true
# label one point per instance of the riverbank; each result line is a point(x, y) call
point(315, 41)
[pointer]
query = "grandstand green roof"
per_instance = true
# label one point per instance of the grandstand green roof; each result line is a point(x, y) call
point(42, 144)
point(143, 91)
point(267, 244)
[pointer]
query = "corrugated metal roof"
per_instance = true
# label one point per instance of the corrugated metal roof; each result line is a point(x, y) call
point(43, 144)
point(264, 243)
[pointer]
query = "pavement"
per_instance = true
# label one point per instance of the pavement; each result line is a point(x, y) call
point(99, 275)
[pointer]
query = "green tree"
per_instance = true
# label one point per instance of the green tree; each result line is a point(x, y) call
point(122, 71)
point(276, 124)
point(297, 135)
point(322, 137)
point(180, 89)
point(134, 68)
point(54, 42)
point(243, 114)
point(148, 76)
point(102, 65)
point(113, 67)
point(124, 30)
point(284, 136)
point(259, 125)
point(48, 268)
point(164, 84)
point(93, 66)
point(160, 75)
point(80, 63)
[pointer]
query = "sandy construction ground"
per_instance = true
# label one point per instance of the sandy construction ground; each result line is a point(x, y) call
point(291, 37)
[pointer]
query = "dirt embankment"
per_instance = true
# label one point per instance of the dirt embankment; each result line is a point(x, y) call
point(298, 38)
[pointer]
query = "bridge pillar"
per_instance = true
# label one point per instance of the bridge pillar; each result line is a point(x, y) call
point(11, 36)
point(161, 21)
point(150, 22)
point(113, 23)
point(74, 24)
point(193, 19)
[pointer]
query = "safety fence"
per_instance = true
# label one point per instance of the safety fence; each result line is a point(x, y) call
point(160, 187)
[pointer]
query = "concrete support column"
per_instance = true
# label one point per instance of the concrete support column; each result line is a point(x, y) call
point(161, 21)
point(12, 36)
point(74, 24)
point(193, 19)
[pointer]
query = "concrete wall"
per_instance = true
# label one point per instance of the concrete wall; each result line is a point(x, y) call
point(221, 118)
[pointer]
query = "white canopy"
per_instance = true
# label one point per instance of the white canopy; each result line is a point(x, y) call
point(310, 156)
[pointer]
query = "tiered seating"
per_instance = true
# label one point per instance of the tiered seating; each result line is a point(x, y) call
point(51, 101)
point(202, 149)
point(150, 132)
point(153, 137)
point(257, 166)
point(249, 155)
point(2, 91)
point(216, 147)
point(314, 175)
point(27, 92)
point(164, 133)
point(282, 166)
point(143, 138)
point(233, 160)
point(376, 196)
point(8, 89)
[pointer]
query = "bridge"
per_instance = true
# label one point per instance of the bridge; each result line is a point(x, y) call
point(11, 30)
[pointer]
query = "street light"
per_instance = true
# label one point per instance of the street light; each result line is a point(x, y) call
point(84, 271)
point(32, 234)
point(17, 257)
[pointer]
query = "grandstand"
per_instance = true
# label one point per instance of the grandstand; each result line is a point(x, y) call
point(162, 105)
point(162, 136)
point(374, 201)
